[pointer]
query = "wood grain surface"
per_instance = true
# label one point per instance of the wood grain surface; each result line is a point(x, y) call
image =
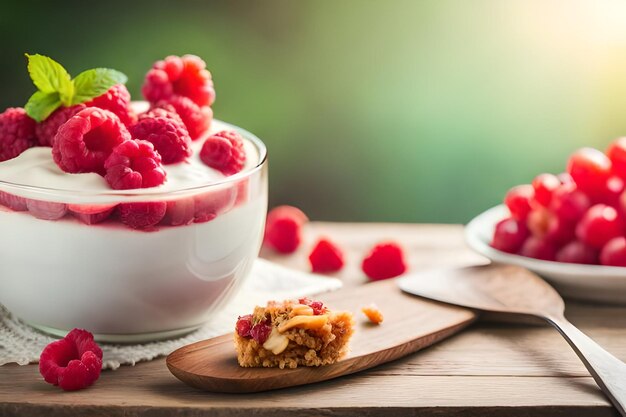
point(410, 324)
point(489, 369)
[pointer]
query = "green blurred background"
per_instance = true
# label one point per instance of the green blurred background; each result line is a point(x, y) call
point(408, 111)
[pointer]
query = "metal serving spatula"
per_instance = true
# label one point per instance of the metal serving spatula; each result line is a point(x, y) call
point(511, 290)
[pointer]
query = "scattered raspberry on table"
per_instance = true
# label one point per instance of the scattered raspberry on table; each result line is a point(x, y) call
point(283, 228)
point(326, 257)
point(385, 260)
point(73, 362)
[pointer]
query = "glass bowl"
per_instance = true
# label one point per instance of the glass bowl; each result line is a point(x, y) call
point(70, 259)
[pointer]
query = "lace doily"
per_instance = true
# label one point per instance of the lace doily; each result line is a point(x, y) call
point(22, 344)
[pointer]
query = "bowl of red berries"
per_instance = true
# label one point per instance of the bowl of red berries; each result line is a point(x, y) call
point(569, 228)
point(135, 220)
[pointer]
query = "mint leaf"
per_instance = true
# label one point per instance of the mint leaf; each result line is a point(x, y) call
point(95, 82)
point(50, 77)
point(40, 105)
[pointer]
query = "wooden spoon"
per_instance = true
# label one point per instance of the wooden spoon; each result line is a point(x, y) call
point(410, 324)
point(513, 290)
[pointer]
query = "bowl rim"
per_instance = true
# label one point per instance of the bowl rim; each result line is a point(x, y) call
point(474, 231)
point(147, 193)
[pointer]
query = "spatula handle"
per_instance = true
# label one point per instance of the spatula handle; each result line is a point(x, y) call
point(608, 371)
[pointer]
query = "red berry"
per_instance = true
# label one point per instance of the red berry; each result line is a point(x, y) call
point(326, 257)
point(385, 260)
point(17, 133)
point(614, 252)
point(142, 215)
point(569, 203)
point(197, 119)
point(87, 139)
point(185, 76)
point(168, 135)
point(600, 224)
point(167, 111)
point(509, 235)
point(590, 170)
point(544, 186)
point(47, 130)
point(317, 306)
point(117, 101)
point(577, 252)
point(260, 332)
point(611, 191)
point(179, 212)
point(518, 201)
point(224, 151)
point(73, 362)
point(91, 214)
point(13, 202)
point(539, 249)
point(538, 221)
point(134, 164)
point(209, 205)
point(560, 231)
point(616, 153)
point(244, 325)
point(46, 210)
point(283, 228)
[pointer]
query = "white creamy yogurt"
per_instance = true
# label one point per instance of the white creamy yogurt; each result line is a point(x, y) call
point(35, 167)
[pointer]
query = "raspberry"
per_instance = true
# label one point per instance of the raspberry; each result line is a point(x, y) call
point(142, 215)
point(134, 164)
point(87, 139)
point(385, 260)
point(209, 205)
point(326, 257)
point(117, 101)
point(186, 76)
point(224, 151)
point(47, 130)
point(283, 228)
point(17, 133)
point(91, 214)
point(244, 325)
point(73, 362)
point(168, 135)
point(13, 202)
point(260, 332)
point(166, 111)
point(196, 118)
point(46, 210)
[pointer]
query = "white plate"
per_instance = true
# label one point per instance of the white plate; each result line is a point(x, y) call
point(583, 282)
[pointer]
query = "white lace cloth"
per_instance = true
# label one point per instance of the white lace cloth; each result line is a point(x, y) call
point(22, 344)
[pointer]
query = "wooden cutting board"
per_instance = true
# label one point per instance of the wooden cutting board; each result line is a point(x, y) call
point(410, 324)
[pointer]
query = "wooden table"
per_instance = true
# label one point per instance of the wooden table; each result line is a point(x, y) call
point(488, 370)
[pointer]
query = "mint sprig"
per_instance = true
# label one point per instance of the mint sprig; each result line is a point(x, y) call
point(56, 87)
point(95, 82)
